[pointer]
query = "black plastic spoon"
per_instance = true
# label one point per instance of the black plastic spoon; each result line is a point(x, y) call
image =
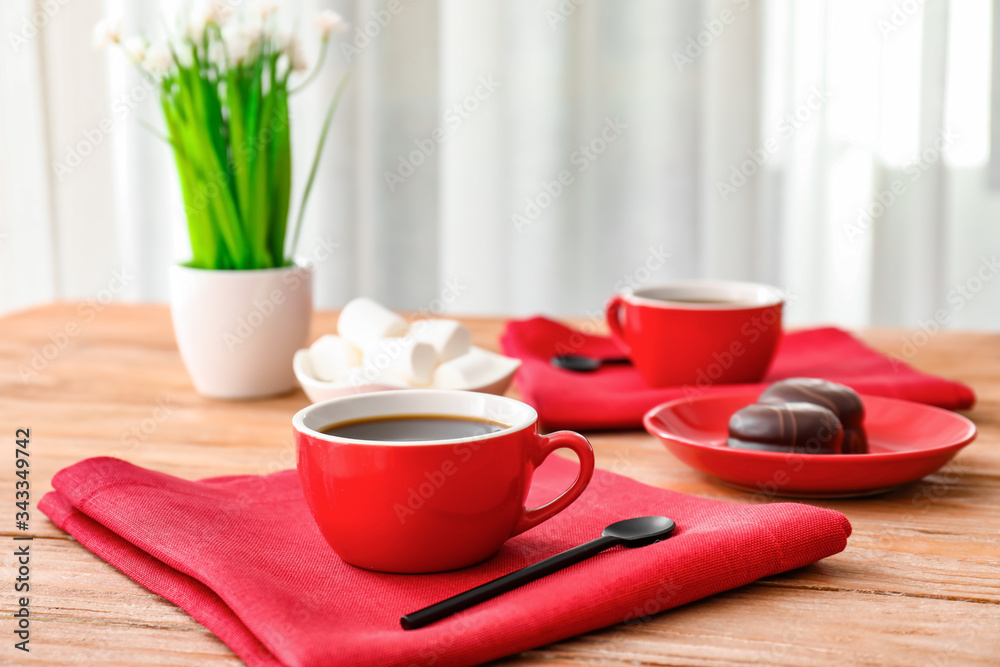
point(579, 363)
point(629, 533)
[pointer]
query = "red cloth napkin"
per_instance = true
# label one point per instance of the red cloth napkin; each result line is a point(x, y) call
point(243, 557)
point(617, 397)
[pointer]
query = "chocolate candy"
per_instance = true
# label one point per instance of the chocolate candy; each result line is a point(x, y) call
point(843, 401)
point(804, 428)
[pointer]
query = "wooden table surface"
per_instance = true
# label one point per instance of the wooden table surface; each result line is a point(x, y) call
point(919, 583)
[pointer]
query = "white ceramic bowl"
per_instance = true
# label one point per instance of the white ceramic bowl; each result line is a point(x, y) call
point(319, 390)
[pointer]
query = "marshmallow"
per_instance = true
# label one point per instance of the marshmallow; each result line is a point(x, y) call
point(449, 338)
point(403, 357)
point(475, 369)
point(362, 321)
point(332, 356)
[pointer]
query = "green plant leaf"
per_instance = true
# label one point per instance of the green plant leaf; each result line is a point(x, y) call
point(281, 182)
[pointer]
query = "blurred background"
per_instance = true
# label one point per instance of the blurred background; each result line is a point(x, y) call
point(528, 156)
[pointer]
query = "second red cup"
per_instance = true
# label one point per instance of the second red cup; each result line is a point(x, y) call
point(698, 333)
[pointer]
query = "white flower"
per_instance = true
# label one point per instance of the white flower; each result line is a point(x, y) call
point(196, 27)
point(185, 56)
point(329, 22)
point(237, 44)
point(135, 47)
point(218, 12)
point(266, 9)
point(251, 31)
point(284, 40)
point(107, 31)
point(238, 49)
point(159, 59)
point(217, 54)
point(297, 56)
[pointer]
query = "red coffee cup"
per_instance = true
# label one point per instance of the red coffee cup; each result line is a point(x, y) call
point(698, 333)
point(427, 506)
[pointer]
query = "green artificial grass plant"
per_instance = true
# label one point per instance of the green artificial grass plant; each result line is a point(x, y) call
point(224, 85)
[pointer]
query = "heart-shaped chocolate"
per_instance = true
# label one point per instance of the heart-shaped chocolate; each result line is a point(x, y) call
point(804, 428)
point(842, 400)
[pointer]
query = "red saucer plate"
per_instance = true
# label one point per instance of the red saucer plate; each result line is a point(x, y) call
point(906, 441)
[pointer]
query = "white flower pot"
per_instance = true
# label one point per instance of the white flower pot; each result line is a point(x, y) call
point(238, 331)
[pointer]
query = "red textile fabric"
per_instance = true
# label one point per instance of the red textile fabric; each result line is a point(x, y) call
point(243, 557)
point(615, 397)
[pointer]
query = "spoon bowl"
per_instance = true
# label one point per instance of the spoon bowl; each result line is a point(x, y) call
point(641, 531)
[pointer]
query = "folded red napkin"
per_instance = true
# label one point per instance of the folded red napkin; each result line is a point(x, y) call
point(617, 397)
point(243, 557)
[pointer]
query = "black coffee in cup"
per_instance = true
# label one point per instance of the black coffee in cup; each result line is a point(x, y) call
point(410, 428)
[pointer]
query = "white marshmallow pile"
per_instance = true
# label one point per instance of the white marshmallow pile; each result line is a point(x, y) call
point(376, 346)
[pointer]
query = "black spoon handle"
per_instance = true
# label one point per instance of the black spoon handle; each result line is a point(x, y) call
point(508, 582)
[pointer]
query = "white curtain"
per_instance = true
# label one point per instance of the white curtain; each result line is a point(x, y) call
point(522, 156)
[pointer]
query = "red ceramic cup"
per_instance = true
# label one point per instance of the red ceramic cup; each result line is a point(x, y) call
point(698, 333)
point(427, 506)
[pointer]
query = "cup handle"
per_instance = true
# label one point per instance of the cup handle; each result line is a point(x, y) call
point(612, 313)
point(546, 445)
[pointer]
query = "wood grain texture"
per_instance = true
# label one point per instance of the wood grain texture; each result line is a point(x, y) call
point(918, 584)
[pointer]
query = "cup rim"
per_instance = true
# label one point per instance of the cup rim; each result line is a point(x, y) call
point(637, 297)
point(527, 421)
